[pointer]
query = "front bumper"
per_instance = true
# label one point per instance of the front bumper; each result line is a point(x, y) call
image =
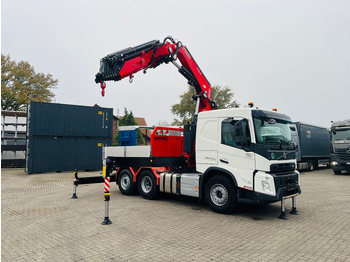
point(285, 185)
point(340, 166)
point(340, 163)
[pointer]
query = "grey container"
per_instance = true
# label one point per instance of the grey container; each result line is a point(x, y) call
point(49, 120)
point(55, 154)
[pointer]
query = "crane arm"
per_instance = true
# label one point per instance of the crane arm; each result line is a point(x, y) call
point(127, 62)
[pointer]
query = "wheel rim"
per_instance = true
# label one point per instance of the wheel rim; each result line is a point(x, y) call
point(219, 194)
point(311, 166)
point(146, 184)
point(125, 182)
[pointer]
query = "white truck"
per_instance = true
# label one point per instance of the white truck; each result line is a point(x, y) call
point(224, 156)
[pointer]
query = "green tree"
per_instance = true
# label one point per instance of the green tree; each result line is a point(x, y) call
point(223, 96)
point(20, 84)
point(129, 120)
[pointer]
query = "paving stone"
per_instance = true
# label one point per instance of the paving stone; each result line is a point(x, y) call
point(40, 222)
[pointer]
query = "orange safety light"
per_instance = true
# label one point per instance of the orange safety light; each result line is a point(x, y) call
point(250, 104)
point(274, 109)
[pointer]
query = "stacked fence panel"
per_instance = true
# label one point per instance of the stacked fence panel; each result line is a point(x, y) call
point(66, 137)
point(13, 138)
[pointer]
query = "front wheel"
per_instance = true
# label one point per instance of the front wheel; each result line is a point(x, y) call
point(220, 194)
point(147, 185)
point(337, 172)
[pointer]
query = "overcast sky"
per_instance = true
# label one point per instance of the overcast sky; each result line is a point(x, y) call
point(292, 55)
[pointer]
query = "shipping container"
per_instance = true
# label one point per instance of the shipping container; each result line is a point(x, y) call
point(49, 120)
point(55, 154)
point(66, 137)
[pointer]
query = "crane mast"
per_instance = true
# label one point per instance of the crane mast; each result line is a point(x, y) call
point(127, 62)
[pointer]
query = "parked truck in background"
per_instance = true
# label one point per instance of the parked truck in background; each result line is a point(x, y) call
point(340, 146)
point(224, 156)
point(313, 144)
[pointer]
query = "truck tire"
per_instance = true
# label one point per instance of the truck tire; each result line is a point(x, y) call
point(337, 172)
point(125, 182)
point(147, 185)
point(311, 166)
point(220, 194)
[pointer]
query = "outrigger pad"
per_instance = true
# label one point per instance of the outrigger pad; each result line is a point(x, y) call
point(294, 211)
point(283, 216)
point(106, 221)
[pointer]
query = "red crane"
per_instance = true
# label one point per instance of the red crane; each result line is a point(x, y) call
point(127, 62)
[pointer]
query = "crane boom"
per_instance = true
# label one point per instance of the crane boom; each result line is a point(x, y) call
point(127, 62)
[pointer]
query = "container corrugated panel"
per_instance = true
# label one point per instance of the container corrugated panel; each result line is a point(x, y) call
point(55, 154)
point(49, 119)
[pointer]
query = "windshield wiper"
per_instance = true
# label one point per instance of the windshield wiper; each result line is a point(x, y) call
point(288, 144)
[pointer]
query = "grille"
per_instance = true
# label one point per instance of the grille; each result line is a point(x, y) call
point(280, 168)
point(342, 154)
point(288, 182)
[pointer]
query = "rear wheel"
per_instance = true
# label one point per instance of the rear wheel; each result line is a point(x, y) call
point(147, 185)
point(220, 194)
point(125, 182)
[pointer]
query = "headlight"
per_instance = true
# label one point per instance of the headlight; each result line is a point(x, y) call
point(334, 163)
point(266, 185)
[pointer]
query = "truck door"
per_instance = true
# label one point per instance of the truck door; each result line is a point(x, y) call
point(234, 151)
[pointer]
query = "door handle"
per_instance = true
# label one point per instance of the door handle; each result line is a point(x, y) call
point(224, 161)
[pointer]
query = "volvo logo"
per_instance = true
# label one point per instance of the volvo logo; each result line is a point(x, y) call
point(283, 155)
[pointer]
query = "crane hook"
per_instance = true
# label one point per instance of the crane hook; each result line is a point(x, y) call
point(103, 86)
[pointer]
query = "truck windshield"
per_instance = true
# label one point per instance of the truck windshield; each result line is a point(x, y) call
point(274, 132)
point(343, 134)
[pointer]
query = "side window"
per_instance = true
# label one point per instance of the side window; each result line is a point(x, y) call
point(236, 133)
point(228, 132)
